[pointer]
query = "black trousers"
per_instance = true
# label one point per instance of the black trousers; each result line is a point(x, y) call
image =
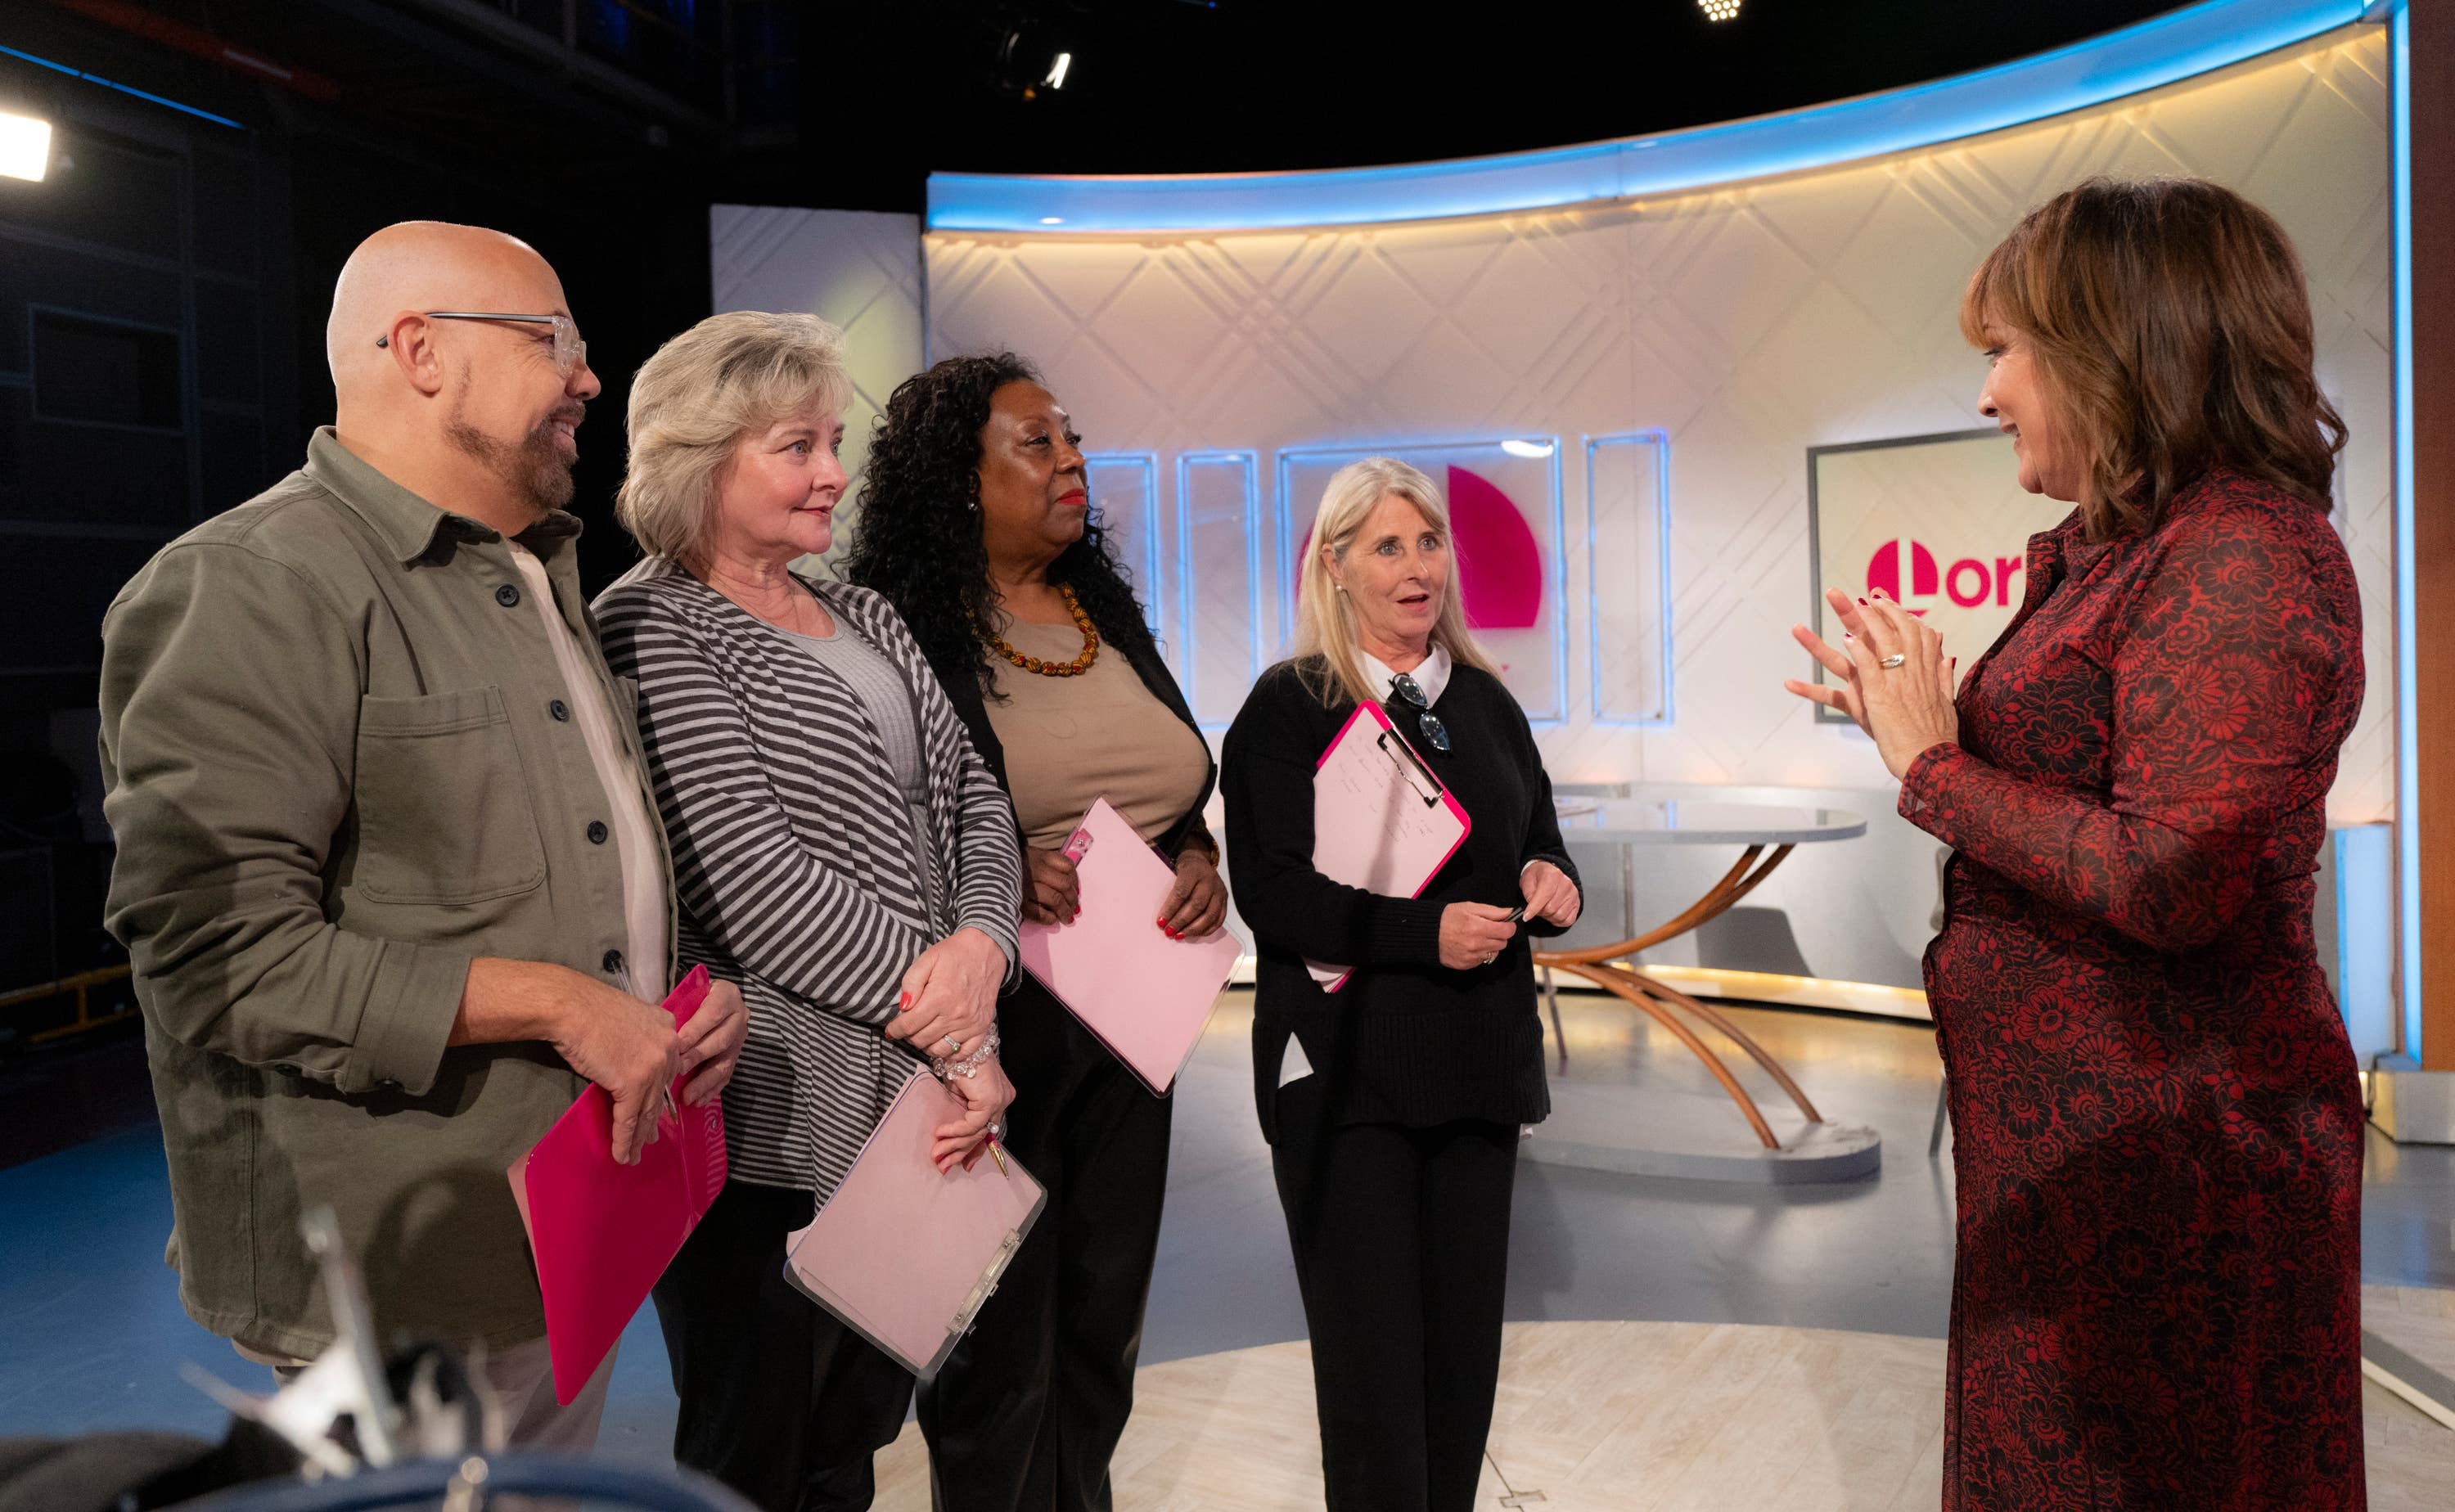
point(1401, 1242)
point(1028, 1410)
point(780, 1400)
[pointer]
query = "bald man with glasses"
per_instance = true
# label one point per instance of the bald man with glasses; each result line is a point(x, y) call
point(390, 876)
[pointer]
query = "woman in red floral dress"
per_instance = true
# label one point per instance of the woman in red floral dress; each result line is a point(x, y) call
point(2157, 1297)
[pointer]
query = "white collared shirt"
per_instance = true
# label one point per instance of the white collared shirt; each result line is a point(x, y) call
point(1431, 676)
point(646, 905)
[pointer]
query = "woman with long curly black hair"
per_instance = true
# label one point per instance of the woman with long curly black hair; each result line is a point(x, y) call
point(977, 525)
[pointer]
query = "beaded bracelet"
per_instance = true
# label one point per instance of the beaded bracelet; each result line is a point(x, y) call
point(947, 1068)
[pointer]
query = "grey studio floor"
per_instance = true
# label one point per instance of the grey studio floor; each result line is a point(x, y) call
point(95, 1336)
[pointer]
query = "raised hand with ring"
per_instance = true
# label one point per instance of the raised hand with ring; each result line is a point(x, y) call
point(1905, 715)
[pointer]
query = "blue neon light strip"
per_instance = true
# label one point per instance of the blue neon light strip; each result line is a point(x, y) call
point(1660, 443)
point(125, 89)
point(1147, 571)
point(1186, 463)
point(2158, 51)
point(2408, 675)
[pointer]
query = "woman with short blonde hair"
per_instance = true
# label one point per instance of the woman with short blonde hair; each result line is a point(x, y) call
point(730, 374)
point(839, 851)
point(2157, 1157)
point(1393, 1105)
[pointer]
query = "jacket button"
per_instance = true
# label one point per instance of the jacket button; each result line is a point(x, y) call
point(613, 962)
point(559, 709)
point(507, 595)
point(597, 832)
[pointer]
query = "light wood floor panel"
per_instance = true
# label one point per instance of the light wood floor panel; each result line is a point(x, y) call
point(1627, 1417)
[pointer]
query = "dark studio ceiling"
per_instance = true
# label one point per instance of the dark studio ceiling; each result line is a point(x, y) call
point(851, 105)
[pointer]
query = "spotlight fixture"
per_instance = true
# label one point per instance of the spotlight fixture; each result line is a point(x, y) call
point(1035, 51)
point(25, 146)
point(1718, 10)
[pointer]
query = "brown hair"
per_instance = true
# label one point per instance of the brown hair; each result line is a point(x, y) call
point(2172, 330)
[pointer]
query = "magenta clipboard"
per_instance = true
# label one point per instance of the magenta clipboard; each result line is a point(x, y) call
point(1144, 996)
point(904, 1256)
point(602, 1234)
point(1381, 820)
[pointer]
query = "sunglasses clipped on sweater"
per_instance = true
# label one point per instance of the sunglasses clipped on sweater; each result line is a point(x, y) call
point(1408, 692)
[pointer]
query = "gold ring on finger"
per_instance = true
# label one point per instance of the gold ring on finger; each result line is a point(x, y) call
point(1892, 661)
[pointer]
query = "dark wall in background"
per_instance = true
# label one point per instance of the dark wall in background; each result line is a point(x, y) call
point(162, 306)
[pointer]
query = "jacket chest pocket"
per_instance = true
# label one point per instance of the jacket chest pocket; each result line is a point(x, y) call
point(443, 803)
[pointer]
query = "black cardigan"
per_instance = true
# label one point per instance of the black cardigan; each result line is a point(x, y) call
point(1407, 1041)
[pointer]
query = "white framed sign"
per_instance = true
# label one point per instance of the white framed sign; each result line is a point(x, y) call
point(1939, 522)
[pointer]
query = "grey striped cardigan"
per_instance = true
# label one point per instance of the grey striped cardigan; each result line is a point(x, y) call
point(793, 851)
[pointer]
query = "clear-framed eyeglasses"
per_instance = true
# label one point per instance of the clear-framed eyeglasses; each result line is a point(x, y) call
point(570, 352)
point(1410, 693)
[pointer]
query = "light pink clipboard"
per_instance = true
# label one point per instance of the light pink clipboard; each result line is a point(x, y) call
point(1381, 820)
point(1142, 993)
point(904, 1255)
point(603, 1233)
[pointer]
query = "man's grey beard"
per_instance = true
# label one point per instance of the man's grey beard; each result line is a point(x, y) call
point(534, 466)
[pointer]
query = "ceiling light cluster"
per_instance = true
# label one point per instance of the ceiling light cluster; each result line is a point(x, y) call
point(1720, 10)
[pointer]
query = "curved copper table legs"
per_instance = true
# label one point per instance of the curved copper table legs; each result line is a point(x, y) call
point(1606, 967)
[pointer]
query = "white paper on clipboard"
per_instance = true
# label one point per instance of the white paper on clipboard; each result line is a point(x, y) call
point(1381, 820)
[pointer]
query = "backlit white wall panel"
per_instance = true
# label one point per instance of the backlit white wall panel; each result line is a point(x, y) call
point(859, 270)
point(1741, 327)
point(1747, 325)
point(1685, 350)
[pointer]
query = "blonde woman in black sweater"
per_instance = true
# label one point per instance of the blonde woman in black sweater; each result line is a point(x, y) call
point(1394, 1106)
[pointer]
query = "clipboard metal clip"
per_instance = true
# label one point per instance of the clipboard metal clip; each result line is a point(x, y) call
point(1405, 755)
point(986, 1287)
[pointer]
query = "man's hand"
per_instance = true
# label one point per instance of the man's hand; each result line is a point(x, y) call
point(626, 1047)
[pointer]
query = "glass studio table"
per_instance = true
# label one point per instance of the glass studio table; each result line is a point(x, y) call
point(1765, 834)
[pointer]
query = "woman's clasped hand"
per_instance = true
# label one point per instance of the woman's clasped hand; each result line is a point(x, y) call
point(1894, 678)
point(948, 1009)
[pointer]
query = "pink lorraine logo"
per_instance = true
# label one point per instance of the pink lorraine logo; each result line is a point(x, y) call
point(1968, 582)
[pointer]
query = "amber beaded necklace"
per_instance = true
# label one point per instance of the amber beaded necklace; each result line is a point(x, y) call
point(1054, 669)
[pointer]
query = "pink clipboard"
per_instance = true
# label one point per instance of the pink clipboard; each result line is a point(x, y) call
point(603, 1233)
point(1381, 820)
point(904, 1256)
point(1141, 993)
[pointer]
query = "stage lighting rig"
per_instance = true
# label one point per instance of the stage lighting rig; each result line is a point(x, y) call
point(1720, 10)
point(1035, 50)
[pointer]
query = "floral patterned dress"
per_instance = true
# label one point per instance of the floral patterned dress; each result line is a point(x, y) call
point(2158, 1129)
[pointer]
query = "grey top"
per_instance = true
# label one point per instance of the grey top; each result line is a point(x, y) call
point(1689, 822)
point(882, 695)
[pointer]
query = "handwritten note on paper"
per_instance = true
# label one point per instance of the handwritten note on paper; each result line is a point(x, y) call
point(1381, 821)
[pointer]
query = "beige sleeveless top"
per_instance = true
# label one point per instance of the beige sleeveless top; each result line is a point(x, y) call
point(1069, 741)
